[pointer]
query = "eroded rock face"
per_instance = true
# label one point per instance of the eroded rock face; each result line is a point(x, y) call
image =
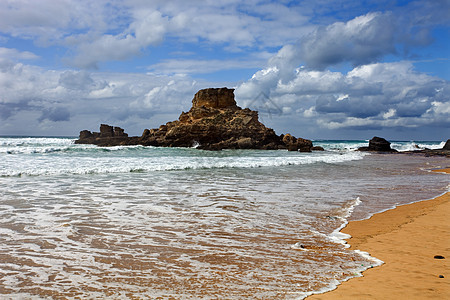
point(214, 98)
point(214, 122)
point(108, 136)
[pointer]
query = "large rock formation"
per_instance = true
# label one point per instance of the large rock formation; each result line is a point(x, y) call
point(214, 122)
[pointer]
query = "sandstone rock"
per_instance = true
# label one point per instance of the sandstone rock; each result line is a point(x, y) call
point(119, 132)
point(214, 98)
point(106, 130)
point(214, 122)
point(297, 144)
point(85, 134)
point(108, 136)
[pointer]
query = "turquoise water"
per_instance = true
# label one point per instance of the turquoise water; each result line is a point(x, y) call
point(79, 221)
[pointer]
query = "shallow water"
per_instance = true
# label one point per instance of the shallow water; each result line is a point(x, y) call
point(142, 222)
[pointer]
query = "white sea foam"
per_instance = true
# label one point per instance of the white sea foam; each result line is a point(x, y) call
point(398, 145)
point(419, 145)
point(337, 236)
point(139, 220)
point(150, 159)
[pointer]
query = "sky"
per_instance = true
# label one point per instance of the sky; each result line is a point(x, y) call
point(317, 69)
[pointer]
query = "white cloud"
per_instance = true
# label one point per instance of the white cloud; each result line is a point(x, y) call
point(65, 101)
point(297, 79)
point(48, 21)
point(148, 29)
point(118, 30)
point(361, 40)
point(376, 95)
point(14, 54)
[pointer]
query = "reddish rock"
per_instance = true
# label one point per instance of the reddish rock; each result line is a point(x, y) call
point(214, 98)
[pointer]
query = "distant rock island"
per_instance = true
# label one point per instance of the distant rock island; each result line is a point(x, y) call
point(214, 122)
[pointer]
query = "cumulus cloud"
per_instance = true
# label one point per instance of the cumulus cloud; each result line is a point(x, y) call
point(102, 30)
point(361, 40)
point(65, 102)
point(370, 96)
point(364, 39)
point(50, 22)
point(99, 31)
point(148, 29)
point(297, 81)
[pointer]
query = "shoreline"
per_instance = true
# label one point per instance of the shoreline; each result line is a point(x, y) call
point(406, 239)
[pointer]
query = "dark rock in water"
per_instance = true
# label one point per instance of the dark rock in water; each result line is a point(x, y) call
point(445, 151)
point(214, 122)
point(379, 145)
point(294, 144)
point(439, 257)
point(447, 145)
point(108, 136)
point(317, 148)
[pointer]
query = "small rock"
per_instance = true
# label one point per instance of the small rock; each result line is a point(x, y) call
point(439, 257)
point(317, 148)
point(441, 276)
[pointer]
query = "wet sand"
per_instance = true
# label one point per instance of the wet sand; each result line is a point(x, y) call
point(407, 239)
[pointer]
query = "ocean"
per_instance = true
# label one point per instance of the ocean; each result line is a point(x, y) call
point(134, 222)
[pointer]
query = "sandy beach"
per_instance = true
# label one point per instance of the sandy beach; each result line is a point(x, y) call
point(411, 240)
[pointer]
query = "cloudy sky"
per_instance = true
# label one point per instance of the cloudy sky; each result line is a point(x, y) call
point(318, 69)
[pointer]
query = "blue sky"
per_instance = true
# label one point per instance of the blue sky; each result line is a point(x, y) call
point(317, 69)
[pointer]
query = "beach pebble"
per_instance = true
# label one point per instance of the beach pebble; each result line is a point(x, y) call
point(439, 257)
point(441, 276)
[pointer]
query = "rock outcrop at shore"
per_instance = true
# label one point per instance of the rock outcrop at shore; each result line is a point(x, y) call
point(378, 144)
point(214, 122)
point(444, 151)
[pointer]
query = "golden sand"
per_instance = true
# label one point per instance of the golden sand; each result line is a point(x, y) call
point(407, 239)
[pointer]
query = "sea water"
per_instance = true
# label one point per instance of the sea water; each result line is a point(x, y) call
point(80, 221)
